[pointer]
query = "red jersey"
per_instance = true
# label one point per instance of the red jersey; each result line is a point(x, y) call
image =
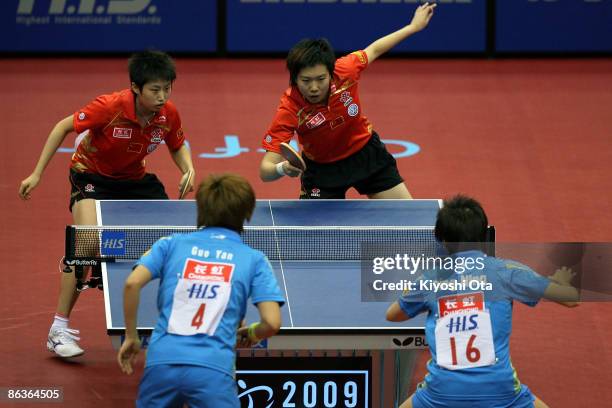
point(329, 132)
point(116, 144)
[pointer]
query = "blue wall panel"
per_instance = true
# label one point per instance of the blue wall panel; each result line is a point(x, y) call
point(553, 25)
point(274, 26)
point(107, 25)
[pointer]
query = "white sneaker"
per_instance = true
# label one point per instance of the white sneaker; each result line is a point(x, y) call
point(63, 342)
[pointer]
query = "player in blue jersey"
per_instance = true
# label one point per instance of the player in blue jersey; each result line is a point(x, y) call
point(206, 278)
point(468, 328)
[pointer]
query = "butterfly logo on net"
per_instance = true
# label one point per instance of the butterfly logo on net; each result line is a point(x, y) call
point(258, 389)
point(417, 341)
point(403, 343)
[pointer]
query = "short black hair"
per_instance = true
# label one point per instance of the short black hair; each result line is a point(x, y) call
point(461, 219)
point(308, 53)
point(151, 65)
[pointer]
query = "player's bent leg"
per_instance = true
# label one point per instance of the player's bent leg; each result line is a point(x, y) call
point(84, 213)
point(400, 191)
point(62, 340)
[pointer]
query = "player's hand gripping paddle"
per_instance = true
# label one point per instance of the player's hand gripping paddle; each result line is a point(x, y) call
point(292, 156)
point(185, 187)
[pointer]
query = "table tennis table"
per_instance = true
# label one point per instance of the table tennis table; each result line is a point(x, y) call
point(324, 309)
point(317, 249)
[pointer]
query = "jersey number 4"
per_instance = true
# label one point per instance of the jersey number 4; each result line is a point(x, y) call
point(198, 317)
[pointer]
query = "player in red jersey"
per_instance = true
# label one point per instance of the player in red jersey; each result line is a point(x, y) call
point(116, 132)
point(322, 107)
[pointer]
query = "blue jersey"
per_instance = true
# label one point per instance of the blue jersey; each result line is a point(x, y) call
point(206, 278)
point(486, 290)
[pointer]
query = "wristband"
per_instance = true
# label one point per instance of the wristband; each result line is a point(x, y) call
point(251, 333)
point(280, 170)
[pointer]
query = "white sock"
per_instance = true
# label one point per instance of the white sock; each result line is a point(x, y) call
point(60, 322)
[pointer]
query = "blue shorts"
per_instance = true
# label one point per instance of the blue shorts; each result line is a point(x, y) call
point(170, 385)
point(423, 399)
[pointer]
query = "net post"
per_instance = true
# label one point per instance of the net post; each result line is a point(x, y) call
point(70, 242)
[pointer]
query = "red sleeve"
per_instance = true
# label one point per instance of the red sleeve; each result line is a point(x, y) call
point(93, 115)
point(282, 128)
point(350, 66)
point(175, 138)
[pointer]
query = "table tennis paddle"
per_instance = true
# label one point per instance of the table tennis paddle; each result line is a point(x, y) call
point(184, 188)
point(292, 156)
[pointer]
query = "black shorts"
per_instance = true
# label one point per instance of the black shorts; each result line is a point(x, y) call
point(371, 170)
point(97, 187)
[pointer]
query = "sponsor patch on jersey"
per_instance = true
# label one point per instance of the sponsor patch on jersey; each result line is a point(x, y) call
point(156, 135)
point(315, 121)
point(461, 303)
point(122, 133)
point(208, 271)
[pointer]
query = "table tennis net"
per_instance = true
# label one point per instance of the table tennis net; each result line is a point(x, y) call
point(278, 243)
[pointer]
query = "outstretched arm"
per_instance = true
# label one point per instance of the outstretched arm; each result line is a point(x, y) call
point(421, 18)
point(55, 139)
